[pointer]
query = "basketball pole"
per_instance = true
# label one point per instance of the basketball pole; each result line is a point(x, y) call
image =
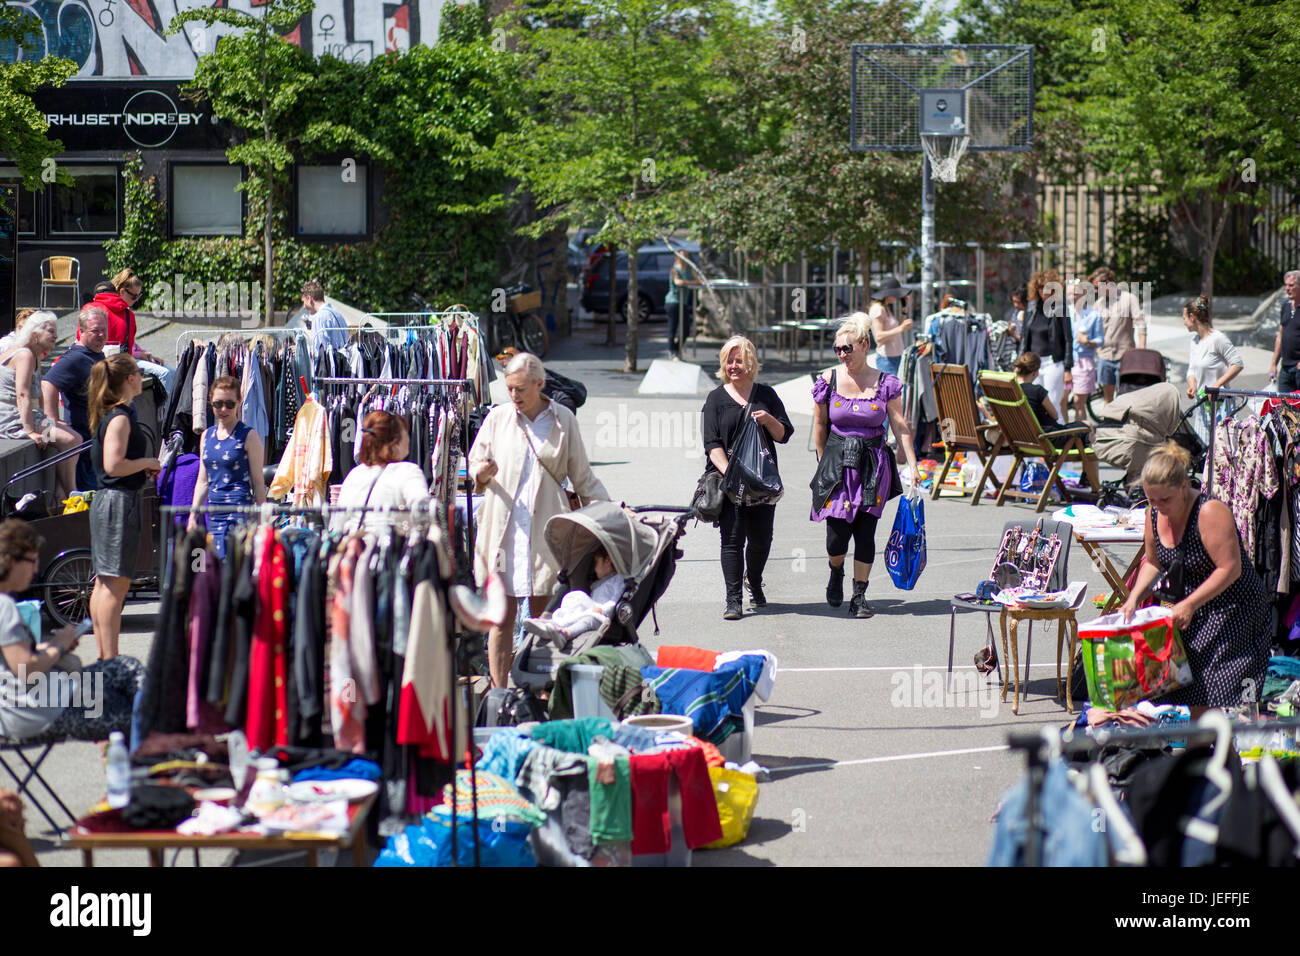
point(927, 238)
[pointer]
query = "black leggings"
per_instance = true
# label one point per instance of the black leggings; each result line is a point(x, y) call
point(863, 532)
point(746, 543)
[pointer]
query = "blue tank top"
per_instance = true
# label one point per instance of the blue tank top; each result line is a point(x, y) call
point(226, 464)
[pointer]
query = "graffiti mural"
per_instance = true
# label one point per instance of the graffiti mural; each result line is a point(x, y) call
point(122, 39)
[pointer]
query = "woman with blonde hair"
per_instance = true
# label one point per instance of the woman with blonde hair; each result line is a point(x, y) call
point(1218, 600)
point(122, 466)
point(22, 414)
point(746, 529)
point(856, 471)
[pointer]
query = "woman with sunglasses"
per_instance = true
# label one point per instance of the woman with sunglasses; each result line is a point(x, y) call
point(1219, 602)
point(856, 472)
point(232, 456)
point(119, 455)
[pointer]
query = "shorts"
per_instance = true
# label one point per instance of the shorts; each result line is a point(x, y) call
point(115, 532)
point(1108, 371)
point(1084, 375)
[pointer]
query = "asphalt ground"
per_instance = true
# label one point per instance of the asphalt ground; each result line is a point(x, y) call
point(870, 762)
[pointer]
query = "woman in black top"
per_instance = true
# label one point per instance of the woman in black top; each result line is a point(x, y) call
point(746, 529)
point(1048, 335)
point(122, 468)
point(1040, 403)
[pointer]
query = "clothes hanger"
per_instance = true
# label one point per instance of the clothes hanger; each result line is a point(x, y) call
point(1216, 771)
point(1131, 851)
point(1279, 794)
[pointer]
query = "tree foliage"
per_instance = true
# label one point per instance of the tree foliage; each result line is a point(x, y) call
point(22, 127)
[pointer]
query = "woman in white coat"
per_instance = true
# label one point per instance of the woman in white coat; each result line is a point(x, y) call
point(524, 452)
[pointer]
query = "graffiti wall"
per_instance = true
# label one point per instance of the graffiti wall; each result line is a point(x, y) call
point(121, 39)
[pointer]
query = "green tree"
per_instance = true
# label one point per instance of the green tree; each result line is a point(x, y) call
point(619, 91)
point(800, 188)
point(22, 127)
point(256, 79)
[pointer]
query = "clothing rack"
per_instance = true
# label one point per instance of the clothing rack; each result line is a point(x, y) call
point(1049, 742)
point(245, 333)
point(336, 380)
point(324, 511)
point(1214, 392)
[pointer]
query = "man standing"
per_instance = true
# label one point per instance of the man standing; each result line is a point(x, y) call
point(329, 327)
point(1122, 321)
point(1286, 348)
point(68, 378)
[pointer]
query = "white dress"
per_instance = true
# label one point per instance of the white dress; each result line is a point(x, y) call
point(517, 554)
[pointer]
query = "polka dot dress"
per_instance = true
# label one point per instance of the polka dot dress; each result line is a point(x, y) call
point(1227, 640)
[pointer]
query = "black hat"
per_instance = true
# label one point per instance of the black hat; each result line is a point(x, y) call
point(889, 288)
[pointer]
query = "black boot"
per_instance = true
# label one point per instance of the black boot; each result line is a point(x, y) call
point(835, 587)
point(757, 598)
point(858, 605)
point(733, 611)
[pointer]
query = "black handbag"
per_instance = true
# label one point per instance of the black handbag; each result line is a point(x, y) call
point(708, 496)
point(752, 477)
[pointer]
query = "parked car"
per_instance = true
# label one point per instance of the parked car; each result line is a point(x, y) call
point(654, 264)
point(580, 250)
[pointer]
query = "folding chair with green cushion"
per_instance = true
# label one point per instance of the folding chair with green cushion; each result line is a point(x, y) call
point(1023, 433)
point(961, 426)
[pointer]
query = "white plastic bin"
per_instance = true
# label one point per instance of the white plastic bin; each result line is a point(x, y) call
point(586, 692)
point(739, 747)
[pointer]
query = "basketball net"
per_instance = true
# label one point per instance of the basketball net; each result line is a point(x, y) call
point(944, 153)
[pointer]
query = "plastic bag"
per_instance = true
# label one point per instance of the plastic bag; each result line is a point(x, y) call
point(737, 796)
point(752, 478)
point(905, 553)
point(1127, 663)
point(1034, 478)
point(502, 842)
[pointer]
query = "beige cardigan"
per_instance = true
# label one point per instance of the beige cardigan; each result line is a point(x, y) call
point(501, 439)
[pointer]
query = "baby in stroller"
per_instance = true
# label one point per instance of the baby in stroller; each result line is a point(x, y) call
point(580, 612)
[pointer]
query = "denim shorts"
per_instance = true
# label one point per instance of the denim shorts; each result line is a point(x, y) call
point(1107, 371)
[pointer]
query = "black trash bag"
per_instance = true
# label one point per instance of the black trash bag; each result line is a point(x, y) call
point(752, 478)
point(569, 393)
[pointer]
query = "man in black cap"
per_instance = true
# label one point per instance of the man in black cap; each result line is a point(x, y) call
point(886, 327)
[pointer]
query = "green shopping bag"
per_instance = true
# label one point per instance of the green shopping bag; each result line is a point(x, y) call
point(1141, 660)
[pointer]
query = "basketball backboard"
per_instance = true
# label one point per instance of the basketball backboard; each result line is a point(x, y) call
point(902, 91)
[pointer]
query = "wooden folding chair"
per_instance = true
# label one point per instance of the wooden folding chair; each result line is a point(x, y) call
point(961, 426)
point(1022, 432)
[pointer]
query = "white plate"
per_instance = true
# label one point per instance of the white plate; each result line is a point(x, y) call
point(323, 791)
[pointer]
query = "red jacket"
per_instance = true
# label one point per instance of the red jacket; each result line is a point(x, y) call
point(121, 321)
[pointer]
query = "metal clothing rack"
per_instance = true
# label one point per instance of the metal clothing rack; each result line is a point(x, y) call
point(1213, 391)
point(244, 333)
point(1049, 742)
point(324, 511)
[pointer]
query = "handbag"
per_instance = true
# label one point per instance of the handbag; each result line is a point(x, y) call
point(574, 501)
point(1126, 663)
point(905, 553)
point(752, 477)
point(709, 497)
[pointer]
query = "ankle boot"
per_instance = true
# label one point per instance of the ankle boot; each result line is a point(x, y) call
point(835, 587)
point(858, 606)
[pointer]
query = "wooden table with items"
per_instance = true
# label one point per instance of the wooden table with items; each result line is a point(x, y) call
point(1092, 540)
point(158, 841)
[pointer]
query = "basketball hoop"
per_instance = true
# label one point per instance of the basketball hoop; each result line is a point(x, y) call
point(944, 153)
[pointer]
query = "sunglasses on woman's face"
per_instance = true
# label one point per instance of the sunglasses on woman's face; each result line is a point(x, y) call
point(223, 406)
point(842, 349)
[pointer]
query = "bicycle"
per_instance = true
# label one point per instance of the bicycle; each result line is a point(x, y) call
point(518, 327)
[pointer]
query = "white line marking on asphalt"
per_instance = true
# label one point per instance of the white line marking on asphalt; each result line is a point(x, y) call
point(850, 763)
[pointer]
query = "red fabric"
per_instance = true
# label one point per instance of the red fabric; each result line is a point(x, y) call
point(651, 825)
point(690, 658)
point(121, 321)
point(1272, 403)
point(268, 689)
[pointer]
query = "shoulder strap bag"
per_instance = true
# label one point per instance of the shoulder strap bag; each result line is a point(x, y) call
point(574, 501)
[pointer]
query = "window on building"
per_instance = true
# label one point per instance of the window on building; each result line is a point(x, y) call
point(328, 205)
point(26, 201)
point(204, 201)
point(89, 205)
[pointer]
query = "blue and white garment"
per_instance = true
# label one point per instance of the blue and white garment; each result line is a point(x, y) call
point(229, 479)
point(713, 699)
point(329, 327)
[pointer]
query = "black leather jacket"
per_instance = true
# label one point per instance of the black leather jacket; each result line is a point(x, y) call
point(841, 453)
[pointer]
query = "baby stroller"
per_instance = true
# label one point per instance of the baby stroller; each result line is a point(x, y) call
point(642, 548)
point(1141, 368)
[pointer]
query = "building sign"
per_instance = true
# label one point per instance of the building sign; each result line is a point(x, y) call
point(114, 116)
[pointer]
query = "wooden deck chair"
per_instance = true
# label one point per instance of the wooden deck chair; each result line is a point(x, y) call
point(1022, 431)
point(961, 426)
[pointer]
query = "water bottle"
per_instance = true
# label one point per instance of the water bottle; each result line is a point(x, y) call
point(119, 772)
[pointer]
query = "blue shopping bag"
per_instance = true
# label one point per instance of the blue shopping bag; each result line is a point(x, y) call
point(905, 553)
point(1034, 477)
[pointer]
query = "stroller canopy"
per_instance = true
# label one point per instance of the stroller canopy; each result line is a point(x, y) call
point(630, 542)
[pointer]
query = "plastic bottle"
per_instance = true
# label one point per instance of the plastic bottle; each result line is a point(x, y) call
point(119, 771)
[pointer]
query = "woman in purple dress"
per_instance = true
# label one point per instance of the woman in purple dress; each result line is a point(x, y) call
point(856, 473)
